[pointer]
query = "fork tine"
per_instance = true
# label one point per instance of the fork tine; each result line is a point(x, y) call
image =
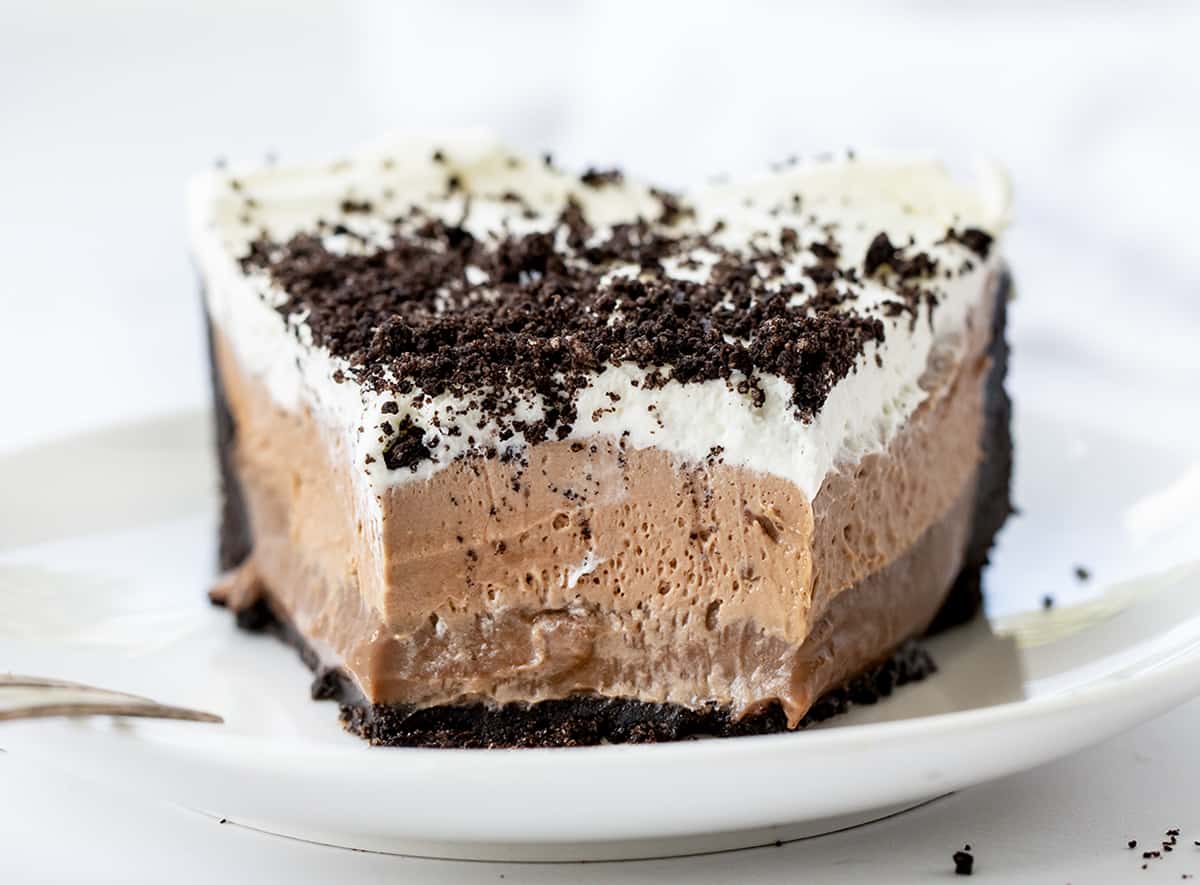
point(146, 711)
point(16, 680)
point(32, 697)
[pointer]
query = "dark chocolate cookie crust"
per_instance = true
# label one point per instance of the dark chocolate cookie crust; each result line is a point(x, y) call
point(993, 500)
point(586, 720)
point(583, 720)
point(234, 540)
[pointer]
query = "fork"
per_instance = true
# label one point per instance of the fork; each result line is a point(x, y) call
point(32, 697)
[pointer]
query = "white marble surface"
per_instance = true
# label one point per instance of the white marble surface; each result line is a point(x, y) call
point(106, 108)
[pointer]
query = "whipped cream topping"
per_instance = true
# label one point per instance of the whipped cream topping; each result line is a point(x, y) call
point(473, 182)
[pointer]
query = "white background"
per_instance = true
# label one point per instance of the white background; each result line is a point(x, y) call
point(105, 108)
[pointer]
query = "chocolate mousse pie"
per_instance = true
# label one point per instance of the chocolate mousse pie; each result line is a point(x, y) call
point(517, 456)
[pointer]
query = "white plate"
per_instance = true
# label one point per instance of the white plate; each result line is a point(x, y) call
point(106, 546)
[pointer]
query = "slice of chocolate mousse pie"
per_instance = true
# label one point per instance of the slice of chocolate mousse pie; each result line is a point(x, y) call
point(523, 457)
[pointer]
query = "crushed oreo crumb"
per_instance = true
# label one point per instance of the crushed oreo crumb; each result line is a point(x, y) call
point(407, 449)
point(977, 241)
point(880, 252)
point(964, 862)
point(673, 210)
point(1082, 573)
point(601, 177)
